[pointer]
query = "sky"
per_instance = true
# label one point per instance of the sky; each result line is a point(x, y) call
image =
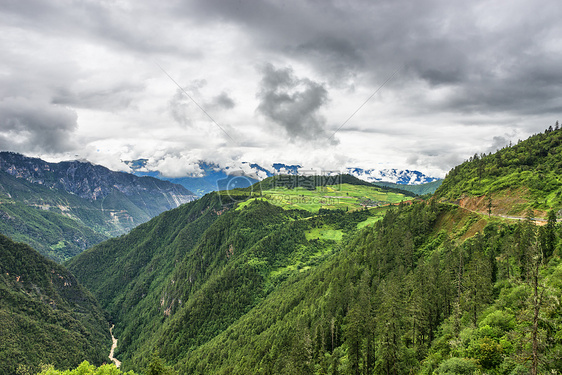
point(419, 85)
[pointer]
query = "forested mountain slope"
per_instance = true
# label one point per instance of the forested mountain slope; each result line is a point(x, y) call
point(46, 316)
point(182, 278)
point(57, 224)
point(227, 285)
point(517, 177)
point(428, 288)
point(411, 295)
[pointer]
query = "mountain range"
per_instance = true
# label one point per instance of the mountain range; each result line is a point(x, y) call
point(63, 208)
point(216, 177)
point(400, 177)
point(330, 275)
point(246, 281)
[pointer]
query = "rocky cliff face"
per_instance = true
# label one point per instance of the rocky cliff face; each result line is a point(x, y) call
point(62, 208)
point(95, 182)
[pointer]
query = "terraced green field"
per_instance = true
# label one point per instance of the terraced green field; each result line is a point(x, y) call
point(344, 197)
point(378, 215)
point(324, 233)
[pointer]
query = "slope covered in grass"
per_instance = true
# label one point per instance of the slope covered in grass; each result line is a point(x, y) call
point(530, 170)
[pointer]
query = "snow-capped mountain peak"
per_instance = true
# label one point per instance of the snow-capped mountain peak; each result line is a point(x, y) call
point(402, 177)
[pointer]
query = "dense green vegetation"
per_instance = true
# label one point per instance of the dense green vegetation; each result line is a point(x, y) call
point(531, 169)
point(53, 235)
point(247, 282)
point(155, 367)
point(85, 368)
point(163, 281)
point(45, 315)
point(404, 297)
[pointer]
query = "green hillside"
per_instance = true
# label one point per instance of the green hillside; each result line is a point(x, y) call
point(530, 171)
point(57, 224)
point(54, 235)
point(427, 288)
point(318, 194)
point(203, 259)
point(45, 315)
point(388, 303)
point(251, 282)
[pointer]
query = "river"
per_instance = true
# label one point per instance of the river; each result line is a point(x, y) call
point(113, 346)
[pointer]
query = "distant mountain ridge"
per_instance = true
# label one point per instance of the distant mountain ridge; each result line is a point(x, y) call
point(218, 178)
point(422, 189)
point(401, 177)
point(62, 208)
point(87, 180)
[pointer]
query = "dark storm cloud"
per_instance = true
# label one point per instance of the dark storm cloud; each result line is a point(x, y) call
point(111, 97)
point(223, 101)
point(293, 103)
point(527, 88)
point(492, 55)
point(28, 125)
point(499, 56)
point(314, 31)
point(137, 29)
point(490, 65)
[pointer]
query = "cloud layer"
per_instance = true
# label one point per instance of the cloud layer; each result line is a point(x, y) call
point(83, 80)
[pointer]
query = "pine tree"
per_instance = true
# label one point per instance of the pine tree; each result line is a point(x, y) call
point(525, 237)
point(157, 367)
point(478, 285)
point(356, 330)
point(547, 236)
point(536, 310)
point(389, 326)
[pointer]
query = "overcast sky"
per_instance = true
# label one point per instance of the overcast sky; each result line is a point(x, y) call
point(277, 81)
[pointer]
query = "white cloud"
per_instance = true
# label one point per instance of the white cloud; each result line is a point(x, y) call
point(83, 81)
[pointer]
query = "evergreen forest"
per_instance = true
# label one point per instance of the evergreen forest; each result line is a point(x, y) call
point(465, 280)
